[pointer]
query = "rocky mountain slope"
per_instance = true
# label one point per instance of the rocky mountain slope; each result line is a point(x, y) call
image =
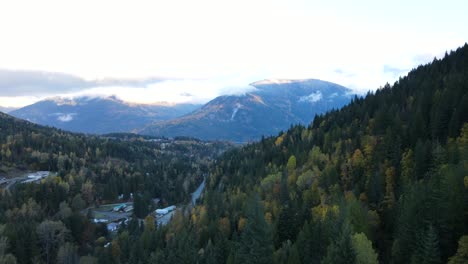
point(273, 105)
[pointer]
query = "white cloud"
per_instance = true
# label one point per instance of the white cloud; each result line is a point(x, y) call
point(137, 91)
point(174, 91)
point(18, 101)
point(205, 41)
point(23, 82)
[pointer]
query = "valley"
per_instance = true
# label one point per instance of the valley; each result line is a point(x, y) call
point(233, 132)
point(383, 179)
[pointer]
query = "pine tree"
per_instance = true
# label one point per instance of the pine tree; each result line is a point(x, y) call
point(286, 227)
point(293, 257)
point(256, 244)
point(428, 251)
point(341, 251)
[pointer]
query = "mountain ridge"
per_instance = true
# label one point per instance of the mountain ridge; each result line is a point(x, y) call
point(271, 107)
point(98, 115)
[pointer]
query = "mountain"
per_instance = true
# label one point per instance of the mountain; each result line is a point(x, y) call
point(273, 106)
point(98, 114)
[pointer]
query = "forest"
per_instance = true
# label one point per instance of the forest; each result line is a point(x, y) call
point(90, 170)
point(381, 180)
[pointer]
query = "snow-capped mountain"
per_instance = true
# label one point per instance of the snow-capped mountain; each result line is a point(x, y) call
point(98, 114)
point(273, 105)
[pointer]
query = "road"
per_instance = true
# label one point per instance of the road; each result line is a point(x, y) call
point(196, 194)
point(37, 176)
point(165, 219)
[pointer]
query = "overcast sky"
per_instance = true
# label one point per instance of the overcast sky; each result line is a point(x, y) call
point(172, 50)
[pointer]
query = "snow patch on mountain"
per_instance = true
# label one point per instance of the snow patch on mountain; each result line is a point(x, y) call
point(312, 98)
point(64, 117)
point(58, 100)
point(234, 111)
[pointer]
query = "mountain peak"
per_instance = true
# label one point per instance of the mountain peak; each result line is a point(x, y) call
point(273, 107)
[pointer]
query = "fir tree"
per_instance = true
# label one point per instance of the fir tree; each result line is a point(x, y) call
point(341, 251)
point(256, 244)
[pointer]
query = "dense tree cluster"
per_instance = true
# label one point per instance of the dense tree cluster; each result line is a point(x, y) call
point(384, 179)
point(46, 222)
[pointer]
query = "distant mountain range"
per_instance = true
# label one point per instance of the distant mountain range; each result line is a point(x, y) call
point(270, 107)
point(98, 115)
point(273, 106)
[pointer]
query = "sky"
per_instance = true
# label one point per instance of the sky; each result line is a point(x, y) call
point(192, 51)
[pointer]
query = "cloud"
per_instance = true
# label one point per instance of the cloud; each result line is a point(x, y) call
point(171, 91)
point(394, 71)
point(344, 73)
point(43, 83)
point(23, 83)
point(143, 82)
point(147, 91)
point(239, 89)
point(423, 58)
point(22, 87)
point(338, 71)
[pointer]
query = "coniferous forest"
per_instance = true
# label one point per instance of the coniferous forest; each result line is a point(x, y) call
point(382, 180)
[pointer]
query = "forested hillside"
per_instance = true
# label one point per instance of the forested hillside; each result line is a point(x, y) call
point(88, 171)
point(384, 179)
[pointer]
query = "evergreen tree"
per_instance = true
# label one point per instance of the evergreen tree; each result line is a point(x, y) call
point(287, 224)
point(428, 250)
point(256, 243)
point(293, 257)
point(342, 250)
